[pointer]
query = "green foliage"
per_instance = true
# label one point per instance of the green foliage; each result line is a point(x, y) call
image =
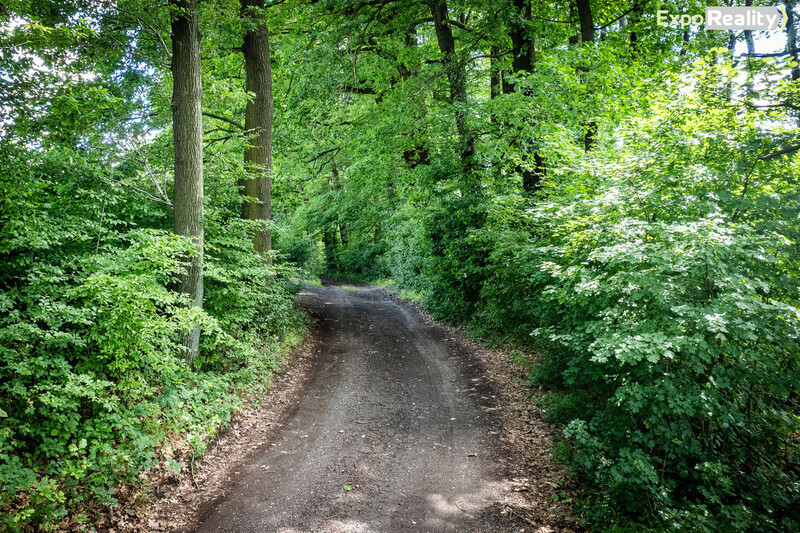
point(669, 323)
point(454, 268)
point(91, 385)
point(656, 275)
point(90, 380)
point(247, 296)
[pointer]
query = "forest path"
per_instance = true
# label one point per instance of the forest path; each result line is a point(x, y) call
point(394, 431)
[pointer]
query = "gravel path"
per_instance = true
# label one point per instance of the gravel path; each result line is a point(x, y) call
point(401, 425)
point(392, 433)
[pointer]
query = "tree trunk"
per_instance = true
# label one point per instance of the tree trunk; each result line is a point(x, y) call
point(748, 35)
point(329, 243)
point(791, 38)
point(751, 50)
point(419, 154)
point(187, 125)
point(523, 61)
point(573, 12)
point(457, 79)
point(258, 123)
point(495, 75)
point(521, 41)
point(586, 19)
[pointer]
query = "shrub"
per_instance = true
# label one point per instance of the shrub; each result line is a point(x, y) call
point(89, 379)
point(683, 346)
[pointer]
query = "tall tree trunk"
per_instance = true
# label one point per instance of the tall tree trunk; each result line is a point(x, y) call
point(791, 38)
point(751, 50)
point(748, 34)
point(258, 123)
point(573, 12)
point(457, 79)
point(495, 75)
point(187, 125)
point(586, 20)
point(521, 41)
point(523, 53)
point(419, 154)
point(329, 243)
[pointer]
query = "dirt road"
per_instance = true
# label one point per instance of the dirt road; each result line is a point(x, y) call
point(395, 431)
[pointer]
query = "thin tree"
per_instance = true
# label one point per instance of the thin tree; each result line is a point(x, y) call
point(187, 126)
point(791, 38)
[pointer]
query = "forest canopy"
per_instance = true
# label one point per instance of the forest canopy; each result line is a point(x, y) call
point(615, 195)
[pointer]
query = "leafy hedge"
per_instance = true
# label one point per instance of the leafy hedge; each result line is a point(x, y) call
point(691, 365)
point(90, 384)
point(664, 297)
point(657, 276)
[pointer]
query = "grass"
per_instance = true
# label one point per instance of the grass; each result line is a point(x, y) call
point(414, 296)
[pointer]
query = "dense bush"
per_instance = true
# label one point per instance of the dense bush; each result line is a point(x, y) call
point(673, 327)
point(661, 282)
point(657, 278)
point(90, 384)
point(453, 271)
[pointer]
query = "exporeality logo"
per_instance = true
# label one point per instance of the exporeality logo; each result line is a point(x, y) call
point(737, 18)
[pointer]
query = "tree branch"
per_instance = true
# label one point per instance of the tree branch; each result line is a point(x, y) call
point(224, 119)
point(779, 153)
point(636, 6)
point(334, 149)
point(785, 105)
point(218, 139)
point(458, 25)
point(775, 54)
point(214, 130)
point(148, 27)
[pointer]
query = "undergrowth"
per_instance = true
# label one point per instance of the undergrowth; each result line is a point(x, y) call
point(90, 384)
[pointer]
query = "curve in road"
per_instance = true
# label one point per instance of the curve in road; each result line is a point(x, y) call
point(392, 433)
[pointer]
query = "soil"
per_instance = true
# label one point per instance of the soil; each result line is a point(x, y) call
point(385, 422)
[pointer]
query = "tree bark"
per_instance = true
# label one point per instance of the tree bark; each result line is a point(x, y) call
point(521, 42)
point(523, 53)
point(258, 123)
point(495, 75)
point(419, 154)
point(187, 125)
point(586, 20)
point(329, 243)
point(791, 38)
point(751, 50)
point(457, 79)
point(748, 34)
